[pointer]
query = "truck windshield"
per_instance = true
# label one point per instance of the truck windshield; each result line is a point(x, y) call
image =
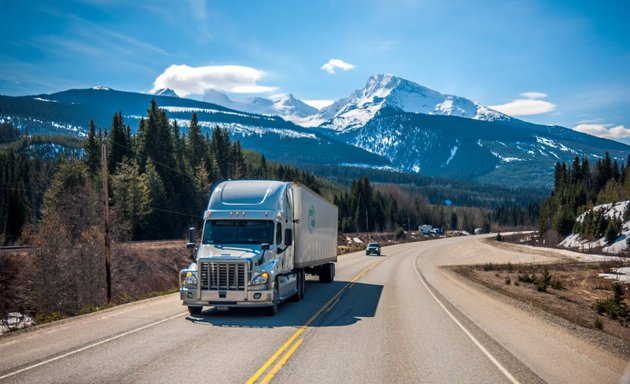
point(238, 232)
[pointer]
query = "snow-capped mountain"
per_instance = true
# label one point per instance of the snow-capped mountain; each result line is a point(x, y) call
point(390, 91)
point(285, 106)
point(70, 112)
point(164, 92)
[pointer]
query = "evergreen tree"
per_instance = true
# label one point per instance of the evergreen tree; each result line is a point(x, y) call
point(197, 149)
point(92, 150)
point(118, 143)
point(220, 145)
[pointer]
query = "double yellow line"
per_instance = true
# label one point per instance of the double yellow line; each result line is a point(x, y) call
point(291, 342)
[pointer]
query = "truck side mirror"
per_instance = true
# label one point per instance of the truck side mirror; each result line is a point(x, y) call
point(288, 237)
point(191, 238)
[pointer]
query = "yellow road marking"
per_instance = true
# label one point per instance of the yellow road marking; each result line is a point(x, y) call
point(284, 359)
point(332, 305)
point(284, 346)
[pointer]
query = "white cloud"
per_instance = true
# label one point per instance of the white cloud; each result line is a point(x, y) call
point(534, 95)
point(529, 105)
point(336, 63)
point(319, 104)
point(607, 131)
point(186, 80)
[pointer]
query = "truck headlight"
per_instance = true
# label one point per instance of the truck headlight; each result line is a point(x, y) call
point(260, 279)
point(191, 280)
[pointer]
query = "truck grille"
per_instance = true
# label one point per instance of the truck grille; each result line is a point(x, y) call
point(223, 276)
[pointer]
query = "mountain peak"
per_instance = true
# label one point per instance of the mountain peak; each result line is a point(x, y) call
point(387, 90)
point(164, 92)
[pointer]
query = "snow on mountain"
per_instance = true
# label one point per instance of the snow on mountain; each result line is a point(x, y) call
point(285, 106)
point(391, 91)
point(164, 92)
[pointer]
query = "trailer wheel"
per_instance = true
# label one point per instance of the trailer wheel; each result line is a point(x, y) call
point(327, 273)
point(194, 310)
point(302, 289)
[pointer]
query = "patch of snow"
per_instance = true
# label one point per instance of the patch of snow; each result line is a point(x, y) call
point(101, 88)
point(14, 321)
point(46, 100)
point(505, 159)
point(610, 210)
point(453, 152)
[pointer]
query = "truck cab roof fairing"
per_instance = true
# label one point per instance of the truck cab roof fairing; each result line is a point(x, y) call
point(248, 195)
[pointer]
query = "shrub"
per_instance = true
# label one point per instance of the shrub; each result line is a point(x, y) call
point(526, 278)
point(543, 282)
point(599, 324)
point(557, 284)
point(614, 306)
point(400, 233)
point(508, 281)
point(499, 237)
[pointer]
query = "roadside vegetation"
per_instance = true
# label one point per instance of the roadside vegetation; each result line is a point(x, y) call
point(572, 291)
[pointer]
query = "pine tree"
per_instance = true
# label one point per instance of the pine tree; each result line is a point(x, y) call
point(92, 151)
point(197, 150)
point(220, 144)
point(118, 144)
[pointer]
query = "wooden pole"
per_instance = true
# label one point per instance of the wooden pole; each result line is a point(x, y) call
point(108, 250)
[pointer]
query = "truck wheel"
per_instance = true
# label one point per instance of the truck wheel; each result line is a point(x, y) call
point(302, 284)
point(273, 310)
point(327, 273)
point(299, 295)
point(195, 310)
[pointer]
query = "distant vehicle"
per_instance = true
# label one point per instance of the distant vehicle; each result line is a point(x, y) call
point(260, 238)
point(425, 229)
point(373, 249)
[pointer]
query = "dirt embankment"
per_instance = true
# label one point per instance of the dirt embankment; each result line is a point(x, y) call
point(569, 290)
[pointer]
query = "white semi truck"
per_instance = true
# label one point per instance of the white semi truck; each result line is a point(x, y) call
point(260, 238)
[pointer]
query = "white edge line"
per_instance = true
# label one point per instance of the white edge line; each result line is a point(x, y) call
point(494, 361)
point(89, 346)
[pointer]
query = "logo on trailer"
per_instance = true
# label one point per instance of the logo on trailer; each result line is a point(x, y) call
point(311, 218)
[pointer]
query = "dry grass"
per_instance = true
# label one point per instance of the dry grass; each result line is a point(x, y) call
point(580, 289)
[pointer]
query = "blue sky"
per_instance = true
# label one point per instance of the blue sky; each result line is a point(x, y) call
point(551, 62)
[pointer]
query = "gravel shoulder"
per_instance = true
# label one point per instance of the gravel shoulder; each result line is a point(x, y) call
point(570, 304)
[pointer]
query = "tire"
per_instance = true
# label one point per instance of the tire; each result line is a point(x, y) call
point(273, 309)
point(194, 310)
point(300, 281)
point(327, 273)
point(303, 285)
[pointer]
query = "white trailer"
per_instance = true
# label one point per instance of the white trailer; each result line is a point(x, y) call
point(259, 240)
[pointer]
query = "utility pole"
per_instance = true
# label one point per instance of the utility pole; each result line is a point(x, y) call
point(108, 249)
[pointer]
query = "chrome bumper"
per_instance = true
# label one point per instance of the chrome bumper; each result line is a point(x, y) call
point(193, 297)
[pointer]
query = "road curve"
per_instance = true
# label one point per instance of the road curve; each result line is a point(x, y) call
point(399, 318)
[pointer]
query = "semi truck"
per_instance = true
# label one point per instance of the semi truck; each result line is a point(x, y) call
point(260, 239)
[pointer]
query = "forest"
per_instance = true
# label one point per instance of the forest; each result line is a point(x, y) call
point(159, 181)
point(579, 187)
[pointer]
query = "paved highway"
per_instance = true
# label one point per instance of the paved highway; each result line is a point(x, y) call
point(399, 318)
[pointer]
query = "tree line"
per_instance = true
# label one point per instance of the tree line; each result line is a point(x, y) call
point(580, 186)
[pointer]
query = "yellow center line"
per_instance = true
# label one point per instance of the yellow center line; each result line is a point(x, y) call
point(284, 359)
point(300, 331)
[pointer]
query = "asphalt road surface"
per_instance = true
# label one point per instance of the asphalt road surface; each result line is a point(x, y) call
point(397, 318)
